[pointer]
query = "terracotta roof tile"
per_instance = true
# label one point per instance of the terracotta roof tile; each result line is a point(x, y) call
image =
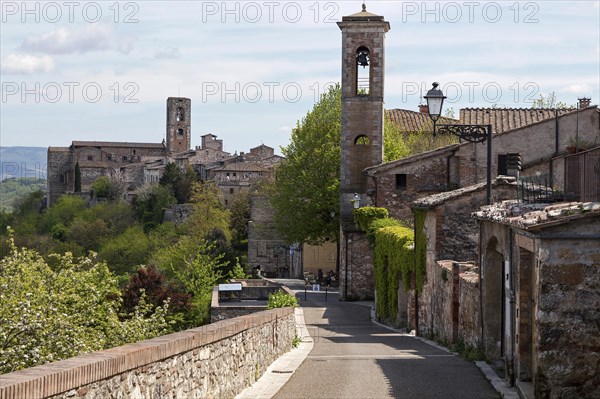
point(412, 121)
point(504, 119)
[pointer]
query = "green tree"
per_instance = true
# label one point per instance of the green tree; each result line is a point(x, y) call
point(151, 203)
point(62, 212)
point(124, 253)
point(52, 313)
point(179, 181)
point(307, 186)
point(550, 101)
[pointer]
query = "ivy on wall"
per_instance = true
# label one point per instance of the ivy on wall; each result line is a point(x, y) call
point(393, 248)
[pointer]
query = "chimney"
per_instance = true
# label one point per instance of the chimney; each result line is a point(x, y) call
point(584, 102)
point(423, 108)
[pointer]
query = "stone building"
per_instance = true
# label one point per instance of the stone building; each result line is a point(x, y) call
point(126, 162)
point(363, 67)
point(539, 136)
point(541, 295)
point(265, 246)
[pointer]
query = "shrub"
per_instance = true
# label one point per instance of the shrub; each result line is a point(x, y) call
point(280, 299)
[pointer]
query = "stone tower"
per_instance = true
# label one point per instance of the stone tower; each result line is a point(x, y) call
point(179, 132)
point(363, 59)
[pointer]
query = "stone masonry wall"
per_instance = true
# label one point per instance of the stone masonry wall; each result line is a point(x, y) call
point(216, 360)
point(568, 316)
point(449, 303)
point(356, 267)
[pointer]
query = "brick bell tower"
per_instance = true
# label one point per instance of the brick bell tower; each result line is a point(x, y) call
point(179, 124)
point(363, 36)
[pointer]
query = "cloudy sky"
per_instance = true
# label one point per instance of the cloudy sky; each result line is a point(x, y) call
point(103, 70)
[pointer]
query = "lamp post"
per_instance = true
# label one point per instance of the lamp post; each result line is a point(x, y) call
point(471, 133)
point(355, 201)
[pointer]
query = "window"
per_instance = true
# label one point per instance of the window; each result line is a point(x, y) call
point(363, 71)
point(109, 157)
point(90, 158)
point(124, 157)
point(502, 170)
point(234, 174)
point(231, 190)
point(361, 140)
point(180, 132)
point(400, 181)
point(180, 114)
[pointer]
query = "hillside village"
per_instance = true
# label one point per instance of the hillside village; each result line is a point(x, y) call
point(509, 267)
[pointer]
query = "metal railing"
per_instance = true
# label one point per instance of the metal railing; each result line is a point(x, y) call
point(538, 189)
point(582, 176)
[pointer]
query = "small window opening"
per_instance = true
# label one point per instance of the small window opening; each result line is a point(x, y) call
point(90, 158)
point(363, 71)
point(400, 181)
point(362, 140)
point(231, 190)
point(180, 132)
point(124, 158)
point(180, 114)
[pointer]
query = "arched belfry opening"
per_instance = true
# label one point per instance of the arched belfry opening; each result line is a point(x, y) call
point(362, 140)
point(363, 71)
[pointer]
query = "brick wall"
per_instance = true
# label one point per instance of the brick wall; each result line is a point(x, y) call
point(216, 360)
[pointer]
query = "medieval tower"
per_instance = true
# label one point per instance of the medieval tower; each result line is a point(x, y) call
point(179, 124)
point(363, 59)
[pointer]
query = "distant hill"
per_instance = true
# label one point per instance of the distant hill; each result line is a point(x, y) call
point(14, 189)
point(23, 162)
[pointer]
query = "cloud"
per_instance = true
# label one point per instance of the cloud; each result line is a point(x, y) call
point(168, 53)
point(27, 64)
point(68, 40)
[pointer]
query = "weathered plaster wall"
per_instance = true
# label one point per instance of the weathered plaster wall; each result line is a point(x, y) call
point(216, 360)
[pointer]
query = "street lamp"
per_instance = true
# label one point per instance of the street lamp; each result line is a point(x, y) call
point(471, 133)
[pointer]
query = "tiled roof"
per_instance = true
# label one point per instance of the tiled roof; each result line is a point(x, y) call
point(504, 119)
point(412, 121)
point(537, 216)
point(116, 144)
point(241, 167)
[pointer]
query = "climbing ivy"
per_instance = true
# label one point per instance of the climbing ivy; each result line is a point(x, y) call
point(363, 217)
point(393, 248)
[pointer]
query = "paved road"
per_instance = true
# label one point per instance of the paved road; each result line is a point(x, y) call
point(354, 358)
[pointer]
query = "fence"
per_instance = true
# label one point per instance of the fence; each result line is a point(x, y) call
point(582, 176)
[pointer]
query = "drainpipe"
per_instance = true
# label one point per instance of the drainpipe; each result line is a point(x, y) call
point(513, 317)
point(481, 284)
point(556, 145)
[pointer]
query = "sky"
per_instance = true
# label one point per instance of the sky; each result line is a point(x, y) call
point(103, 70)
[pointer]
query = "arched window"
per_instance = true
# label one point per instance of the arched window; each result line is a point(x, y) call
point(361, 140)
point(363, 71)
point(180, 132)
point(180, 114)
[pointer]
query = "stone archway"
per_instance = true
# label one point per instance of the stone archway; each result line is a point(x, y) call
point(493, 299)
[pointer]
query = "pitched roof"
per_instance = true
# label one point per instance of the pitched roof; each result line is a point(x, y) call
point(413, 121)
point(241, 167)
point(116, 144)
point(383, 167)
point(504, 119)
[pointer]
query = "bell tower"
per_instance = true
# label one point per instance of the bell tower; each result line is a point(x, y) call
point(179, 124)
point(363, 36)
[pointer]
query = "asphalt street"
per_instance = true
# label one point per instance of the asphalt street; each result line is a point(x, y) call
point(355, 358)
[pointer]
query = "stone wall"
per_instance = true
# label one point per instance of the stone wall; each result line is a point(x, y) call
point(60, 179)
point(568, 316)
point(357, 279)
point(449, 303)
point(216, 360)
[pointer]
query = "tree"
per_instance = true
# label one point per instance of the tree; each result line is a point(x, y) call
point(179, 181)
point(307, 186)
point(124, 253)
point(550, 101)
point(63, 308)
point(151, 203)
